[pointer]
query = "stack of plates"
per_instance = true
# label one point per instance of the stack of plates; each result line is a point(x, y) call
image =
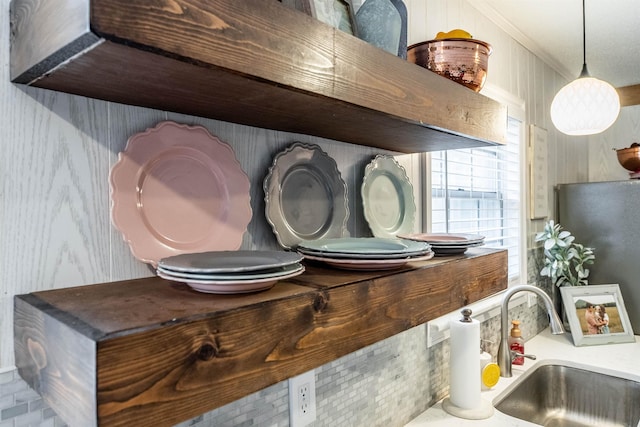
point(231, 272)
point(447, 243)
point(365, 253)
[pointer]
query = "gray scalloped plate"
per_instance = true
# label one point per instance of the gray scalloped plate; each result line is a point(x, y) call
point(387, 198)
point(305, 196)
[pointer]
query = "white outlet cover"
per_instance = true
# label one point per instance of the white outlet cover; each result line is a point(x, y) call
point(303, 386)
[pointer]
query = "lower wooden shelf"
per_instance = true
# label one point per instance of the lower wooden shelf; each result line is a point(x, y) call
point(154, 352)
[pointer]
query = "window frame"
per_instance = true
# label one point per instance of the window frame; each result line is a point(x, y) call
point(515, 110)
point(438, 329)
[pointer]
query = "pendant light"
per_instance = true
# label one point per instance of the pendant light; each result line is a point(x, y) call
point(587, 105)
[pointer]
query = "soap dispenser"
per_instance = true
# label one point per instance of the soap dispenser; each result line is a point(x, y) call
point(516, 342)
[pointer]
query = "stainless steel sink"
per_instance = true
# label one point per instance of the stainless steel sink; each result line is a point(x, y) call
point(561, 394)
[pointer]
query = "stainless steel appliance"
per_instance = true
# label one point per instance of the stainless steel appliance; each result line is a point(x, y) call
point(606, 217)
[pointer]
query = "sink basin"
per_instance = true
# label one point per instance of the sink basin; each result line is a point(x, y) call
point(563, 394)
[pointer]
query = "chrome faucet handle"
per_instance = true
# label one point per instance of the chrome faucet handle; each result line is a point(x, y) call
point(515, 354)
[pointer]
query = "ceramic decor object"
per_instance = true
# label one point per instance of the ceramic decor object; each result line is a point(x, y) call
point(383, 23)
point(402, 45)
point(227, 262)
point(178, 189)
point(368, 264)
point(231, 272)
point(387, 198)
point(240, 286)
point(444, 244)
point(305, 196)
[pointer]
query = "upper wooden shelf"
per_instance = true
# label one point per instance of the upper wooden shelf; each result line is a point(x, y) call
point(253, 62)
point(150, 352)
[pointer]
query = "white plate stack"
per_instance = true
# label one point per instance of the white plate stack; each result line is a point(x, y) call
point(231, 272)
point(444, 244)
point(365, 253)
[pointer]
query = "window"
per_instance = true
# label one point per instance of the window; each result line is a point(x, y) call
point(479, 191)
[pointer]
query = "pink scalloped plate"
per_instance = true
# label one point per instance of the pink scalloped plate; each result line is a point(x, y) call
point(178, 189)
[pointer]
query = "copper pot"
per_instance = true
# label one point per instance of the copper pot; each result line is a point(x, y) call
point(629, 158)
point(464, 61)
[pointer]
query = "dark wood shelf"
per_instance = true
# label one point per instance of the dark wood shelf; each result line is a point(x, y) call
point(253, 62)
point(150, 352)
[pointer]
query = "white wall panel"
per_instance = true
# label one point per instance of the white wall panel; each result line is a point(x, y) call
point(603, 161)
point(55, 217)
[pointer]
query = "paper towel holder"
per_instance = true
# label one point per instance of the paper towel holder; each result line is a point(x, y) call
point(484, 411)
point(485, 408)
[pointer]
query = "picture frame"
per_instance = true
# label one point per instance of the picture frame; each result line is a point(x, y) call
point(538, 173)
point(581, 305)
point(339, 14)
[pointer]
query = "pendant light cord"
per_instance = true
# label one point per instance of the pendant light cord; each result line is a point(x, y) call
point(584, 72)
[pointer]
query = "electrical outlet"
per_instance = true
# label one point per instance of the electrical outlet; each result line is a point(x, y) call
point(302, 399)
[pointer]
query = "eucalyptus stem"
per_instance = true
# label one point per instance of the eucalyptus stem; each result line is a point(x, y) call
point(565, 261)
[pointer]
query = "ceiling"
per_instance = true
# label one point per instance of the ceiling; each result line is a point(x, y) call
point(552, 29)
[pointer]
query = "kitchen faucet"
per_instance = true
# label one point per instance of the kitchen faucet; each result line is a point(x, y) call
point(505, 354)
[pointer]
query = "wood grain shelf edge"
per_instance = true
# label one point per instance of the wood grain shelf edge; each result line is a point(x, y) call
point(101, 363)
point(255, 63)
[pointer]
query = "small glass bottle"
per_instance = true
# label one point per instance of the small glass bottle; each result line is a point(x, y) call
point(516, 342)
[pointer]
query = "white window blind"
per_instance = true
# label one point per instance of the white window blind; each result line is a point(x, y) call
point(479, 191)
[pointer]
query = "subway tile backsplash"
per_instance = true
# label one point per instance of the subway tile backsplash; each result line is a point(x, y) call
point(22, 406)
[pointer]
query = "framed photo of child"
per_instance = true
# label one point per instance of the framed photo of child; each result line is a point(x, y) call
point(596, 314)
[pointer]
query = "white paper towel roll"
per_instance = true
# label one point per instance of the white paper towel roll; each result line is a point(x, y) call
point(465, 351)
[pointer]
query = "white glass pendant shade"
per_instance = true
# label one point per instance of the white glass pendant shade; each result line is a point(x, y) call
point(585, 106)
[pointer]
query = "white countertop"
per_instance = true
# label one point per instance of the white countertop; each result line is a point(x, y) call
point(619, 359)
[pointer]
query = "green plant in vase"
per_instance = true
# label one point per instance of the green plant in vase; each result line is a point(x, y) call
point(565, 260)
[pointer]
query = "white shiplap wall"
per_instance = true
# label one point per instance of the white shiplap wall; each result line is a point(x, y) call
point(603, 162)
point(57, 150)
